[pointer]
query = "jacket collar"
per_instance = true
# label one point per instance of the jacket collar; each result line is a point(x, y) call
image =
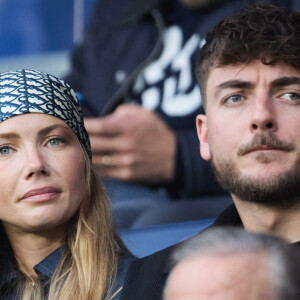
point(136, 9)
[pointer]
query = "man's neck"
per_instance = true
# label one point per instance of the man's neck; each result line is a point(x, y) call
point(284, 222)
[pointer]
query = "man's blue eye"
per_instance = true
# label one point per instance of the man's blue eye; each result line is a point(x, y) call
point(291, 96)
point(234, 98)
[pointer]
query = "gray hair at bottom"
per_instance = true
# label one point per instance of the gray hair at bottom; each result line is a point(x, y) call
point(283, 258)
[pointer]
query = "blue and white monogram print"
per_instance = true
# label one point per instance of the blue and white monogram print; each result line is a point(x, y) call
point(30, 91)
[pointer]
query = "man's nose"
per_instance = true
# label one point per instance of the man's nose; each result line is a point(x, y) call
point(264, 114)
point(35, 164)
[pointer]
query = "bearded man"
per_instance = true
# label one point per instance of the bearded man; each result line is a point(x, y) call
point(249, 75)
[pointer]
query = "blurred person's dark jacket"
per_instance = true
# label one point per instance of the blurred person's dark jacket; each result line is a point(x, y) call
point(121, 39)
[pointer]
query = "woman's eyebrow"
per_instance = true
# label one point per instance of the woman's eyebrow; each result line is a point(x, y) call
point(53, 127)
point(9, 135)
point(15, 135)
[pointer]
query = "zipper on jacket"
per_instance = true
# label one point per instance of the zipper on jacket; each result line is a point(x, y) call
point(120, 95)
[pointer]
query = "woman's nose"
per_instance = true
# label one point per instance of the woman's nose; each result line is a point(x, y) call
point(35, 164)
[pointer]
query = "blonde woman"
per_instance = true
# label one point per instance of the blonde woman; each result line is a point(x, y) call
point(57, 239)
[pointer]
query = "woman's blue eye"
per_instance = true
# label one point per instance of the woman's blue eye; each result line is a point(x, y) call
point(5, 150)
point(56, 141)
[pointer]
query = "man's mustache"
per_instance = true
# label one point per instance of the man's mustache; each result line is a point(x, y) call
point(265, 139)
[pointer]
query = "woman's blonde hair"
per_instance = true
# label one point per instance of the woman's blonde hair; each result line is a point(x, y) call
point(88, 268)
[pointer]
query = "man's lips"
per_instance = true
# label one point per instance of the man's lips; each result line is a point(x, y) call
point(265, 142)
point(41, 194)
point(264, 148)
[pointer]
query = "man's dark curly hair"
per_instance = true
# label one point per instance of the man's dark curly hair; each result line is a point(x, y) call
point(263, 31)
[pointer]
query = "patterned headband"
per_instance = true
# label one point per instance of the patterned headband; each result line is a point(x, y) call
point(30, 91)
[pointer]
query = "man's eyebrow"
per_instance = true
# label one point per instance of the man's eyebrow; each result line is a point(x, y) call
point(285, 81)
point(231, 84)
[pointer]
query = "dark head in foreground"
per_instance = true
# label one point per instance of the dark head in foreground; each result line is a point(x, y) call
point(230, 263)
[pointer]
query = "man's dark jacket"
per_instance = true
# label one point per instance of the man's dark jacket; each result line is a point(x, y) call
point(146, 277)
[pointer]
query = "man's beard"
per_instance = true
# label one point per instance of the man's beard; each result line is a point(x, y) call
point(278, 191)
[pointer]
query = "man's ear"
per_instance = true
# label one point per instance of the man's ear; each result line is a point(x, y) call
point(201, 123)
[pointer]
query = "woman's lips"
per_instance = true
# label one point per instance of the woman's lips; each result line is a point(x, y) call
point(41, 194)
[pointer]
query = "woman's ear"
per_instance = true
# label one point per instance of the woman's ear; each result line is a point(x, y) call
point(201, 123)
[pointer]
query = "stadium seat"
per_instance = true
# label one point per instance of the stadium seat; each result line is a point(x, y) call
point(146, 240)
